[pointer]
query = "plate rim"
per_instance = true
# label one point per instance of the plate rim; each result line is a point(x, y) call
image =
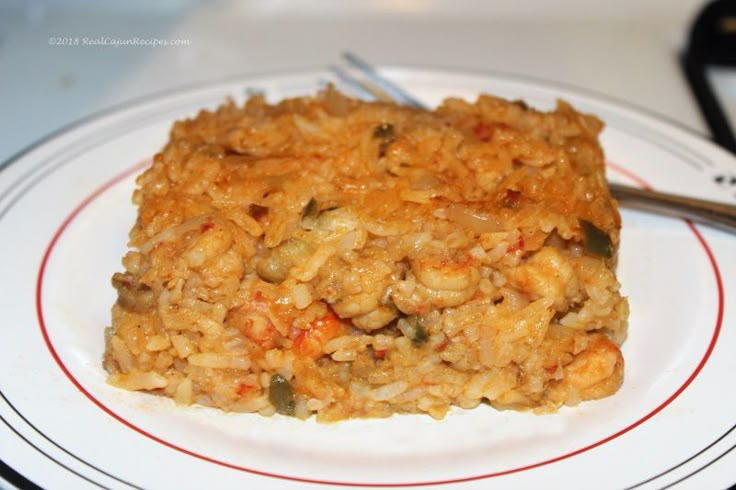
point(137, 102)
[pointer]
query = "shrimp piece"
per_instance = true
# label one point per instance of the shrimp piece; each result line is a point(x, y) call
point(256, 326)
point(547, 274)
point(596, 372)
point(310, 342)
point(445, 275)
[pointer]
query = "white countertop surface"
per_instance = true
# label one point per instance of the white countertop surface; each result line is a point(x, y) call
point(626, 49)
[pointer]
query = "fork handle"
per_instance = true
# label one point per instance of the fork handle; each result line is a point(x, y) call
point(716, 214)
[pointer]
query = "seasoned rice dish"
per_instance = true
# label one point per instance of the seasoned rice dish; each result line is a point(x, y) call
point(333, 257)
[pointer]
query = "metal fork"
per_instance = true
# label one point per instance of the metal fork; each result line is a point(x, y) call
point(716, 214)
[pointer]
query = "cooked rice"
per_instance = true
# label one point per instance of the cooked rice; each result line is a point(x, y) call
point(335, 257)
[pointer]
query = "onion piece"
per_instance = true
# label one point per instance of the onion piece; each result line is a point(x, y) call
point(473, 219)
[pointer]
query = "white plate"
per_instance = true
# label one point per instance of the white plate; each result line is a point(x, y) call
point(64, 216)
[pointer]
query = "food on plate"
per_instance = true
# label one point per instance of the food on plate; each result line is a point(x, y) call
point(333, 257)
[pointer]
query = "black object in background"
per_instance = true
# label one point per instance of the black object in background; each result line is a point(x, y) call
point(712, 44)
point(16, 479)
